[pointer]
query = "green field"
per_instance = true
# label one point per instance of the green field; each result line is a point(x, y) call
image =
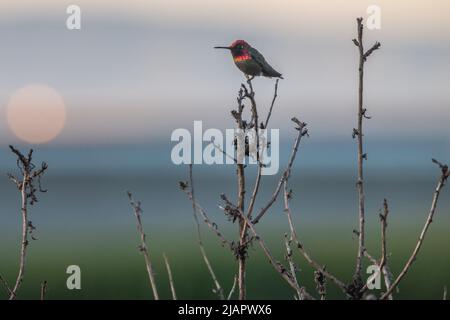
point(112, 267)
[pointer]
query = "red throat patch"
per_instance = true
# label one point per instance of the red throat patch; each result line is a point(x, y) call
point(242, 57)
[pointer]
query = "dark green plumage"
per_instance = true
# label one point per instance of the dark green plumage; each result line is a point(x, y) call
point(266, 68)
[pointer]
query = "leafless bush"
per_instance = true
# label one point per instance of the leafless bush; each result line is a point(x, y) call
point(247, 219)
point(29, 185)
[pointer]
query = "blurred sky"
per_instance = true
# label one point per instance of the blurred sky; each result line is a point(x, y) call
point(139, 69)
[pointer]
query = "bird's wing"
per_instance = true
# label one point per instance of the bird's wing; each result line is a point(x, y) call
point(258, 57)
point(267, 70)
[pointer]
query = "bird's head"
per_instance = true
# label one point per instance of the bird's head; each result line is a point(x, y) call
point(238, 48)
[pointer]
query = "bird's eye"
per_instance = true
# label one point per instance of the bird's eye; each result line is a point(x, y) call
point(241, 46)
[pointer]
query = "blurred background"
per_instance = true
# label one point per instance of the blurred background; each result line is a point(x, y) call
point(99, 105)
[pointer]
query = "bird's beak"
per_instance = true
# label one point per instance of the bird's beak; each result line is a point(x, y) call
point(222, 48)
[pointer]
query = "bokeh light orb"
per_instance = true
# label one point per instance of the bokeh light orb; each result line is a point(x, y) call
point(36, 113)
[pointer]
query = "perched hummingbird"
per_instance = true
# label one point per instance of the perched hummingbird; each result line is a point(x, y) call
point(250, 61)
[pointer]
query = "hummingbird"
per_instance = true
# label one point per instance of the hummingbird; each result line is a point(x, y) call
point(250, 61)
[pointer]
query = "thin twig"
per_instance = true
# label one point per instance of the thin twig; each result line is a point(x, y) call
point(218, 288)
point(275, 95)
point(233, 288)
point(444, 297)
point(43, 289)
point(441, 183)
point(169, 273)
point(143, 246)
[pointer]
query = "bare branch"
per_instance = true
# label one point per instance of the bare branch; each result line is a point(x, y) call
point(386, 272)
point(382, 265)
point(302, 131)
point(143, 246)
point(321, 281)
point(301, 248)
point(376, 46)
point(241, 193)
point(28, 194)
point(212, 225)
point(260, 165)
point(14, 180)
point(275, 95)
point(383, 220)
point(292, 267)
point(358, 133)
point(285, 274)
point(441, 183)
